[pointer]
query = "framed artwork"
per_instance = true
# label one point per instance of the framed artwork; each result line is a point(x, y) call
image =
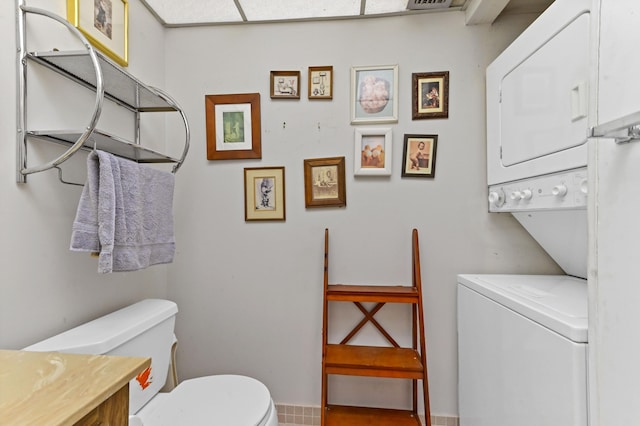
point(430, 97)
point(264, 197)
point(233, 126)
point(321, 82)
point(374, 94)
point(419, 156)
point(285, 84)
point(373, 151)
point(324, 182)
point(105, 23)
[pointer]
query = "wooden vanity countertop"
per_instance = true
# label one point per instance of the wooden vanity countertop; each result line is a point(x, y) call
point(38, 388)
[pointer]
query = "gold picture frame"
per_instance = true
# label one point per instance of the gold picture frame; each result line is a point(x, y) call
point(264, 193)
point(321, 82)
point(324, 182)
point(285, 84)
point(105, 23)
point(430, 97)
point(233, 126)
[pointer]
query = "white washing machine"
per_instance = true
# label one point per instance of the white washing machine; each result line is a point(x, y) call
point(522, 345)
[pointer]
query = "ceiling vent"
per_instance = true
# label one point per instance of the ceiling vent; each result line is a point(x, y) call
point(428, 4)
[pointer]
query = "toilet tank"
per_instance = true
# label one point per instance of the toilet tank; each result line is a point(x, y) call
point(144, 329)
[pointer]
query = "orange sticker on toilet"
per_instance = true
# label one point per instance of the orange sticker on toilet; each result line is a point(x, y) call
point(144, 378)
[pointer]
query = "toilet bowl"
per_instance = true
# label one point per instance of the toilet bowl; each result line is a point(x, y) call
point(212, 400)
point(145, 329)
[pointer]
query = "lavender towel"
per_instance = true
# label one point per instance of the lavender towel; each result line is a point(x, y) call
point(125, 213)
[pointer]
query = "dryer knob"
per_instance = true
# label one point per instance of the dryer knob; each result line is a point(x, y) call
point(526, 194)
point(496, 198)
point(584, 186)
point(559, 190)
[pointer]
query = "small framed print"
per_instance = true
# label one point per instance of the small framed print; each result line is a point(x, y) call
point(373, 151)
point(324, 182)
point(285, 84)
point(264, 197)
point(321, 82)
point(374, 94)
point(430, 97)
point(233, 126)
point(419, 156)
point(105, 23)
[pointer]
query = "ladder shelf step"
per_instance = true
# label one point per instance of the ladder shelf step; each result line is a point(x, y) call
point(354, 360)
point(341, 415)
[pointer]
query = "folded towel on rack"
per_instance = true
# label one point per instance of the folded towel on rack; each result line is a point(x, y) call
point(125, 213)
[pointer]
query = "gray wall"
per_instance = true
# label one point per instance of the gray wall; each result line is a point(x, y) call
point(250, 294)
point(45, 288)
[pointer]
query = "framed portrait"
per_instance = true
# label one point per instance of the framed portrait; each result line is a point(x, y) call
point(324, 182)
point(285, 84)
point(264, 197)
point(419, 156)
point(430, 95)
point(105, 23)
point(374, 94)
point(373, 151)
point(233, 126)
point(321, 82)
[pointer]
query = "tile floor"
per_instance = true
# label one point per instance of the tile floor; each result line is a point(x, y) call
point(298, 415)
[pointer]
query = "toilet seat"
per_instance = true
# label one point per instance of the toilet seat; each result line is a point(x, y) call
point(229, 400)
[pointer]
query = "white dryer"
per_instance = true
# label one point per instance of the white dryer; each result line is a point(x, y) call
point(522, 343)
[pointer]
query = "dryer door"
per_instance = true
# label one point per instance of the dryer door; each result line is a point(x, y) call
point(544, 99)
point(537, 97)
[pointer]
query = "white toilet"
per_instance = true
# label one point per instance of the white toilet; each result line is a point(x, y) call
point(145, 329)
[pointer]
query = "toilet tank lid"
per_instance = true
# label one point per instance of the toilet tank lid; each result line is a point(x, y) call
point(106, 333)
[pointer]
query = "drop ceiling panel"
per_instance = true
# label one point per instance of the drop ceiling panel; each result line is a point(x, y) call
point(374, 7)
point(195, 11)
point(260, 10)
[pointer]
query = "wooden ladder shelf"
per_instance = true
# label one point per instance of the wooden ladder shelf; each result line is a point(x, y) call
point(391, 361)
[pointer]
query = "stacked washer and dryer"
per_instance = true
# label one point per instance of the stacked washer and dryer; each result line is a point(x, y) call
point(522, 339)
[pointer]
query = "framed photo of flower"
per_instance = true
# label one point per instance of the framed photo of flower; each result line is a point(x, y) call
point(374, 94)
point(419, 156)
point(264, 197)
point(430, 97)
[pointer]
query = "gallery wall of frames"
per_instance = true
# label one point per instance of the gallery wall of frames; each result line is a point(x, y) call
point(233, 132)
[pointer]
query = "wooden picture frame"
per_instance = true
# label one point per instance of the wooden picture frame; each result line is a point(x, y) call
point(264, 193)
point(285, 84)
point(233, 126)
point(374, 94)
point(105, 23)
point(324, 182)
point(320, 82)
point(419, 156)
point(430, 97)
point(373, 151)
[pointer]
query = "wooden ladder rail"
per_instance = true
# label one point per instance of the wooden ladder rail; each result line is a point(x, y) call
point(417, 283)
point(325, 311)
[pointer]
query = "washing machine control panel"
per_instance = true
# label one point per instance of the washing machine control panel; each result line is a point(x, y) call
point(558, 191)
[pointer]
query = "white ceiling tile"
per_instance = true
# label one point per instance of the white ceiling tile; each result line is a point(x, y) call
point(374, 7)
point(261, 10)
point(195, 11)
